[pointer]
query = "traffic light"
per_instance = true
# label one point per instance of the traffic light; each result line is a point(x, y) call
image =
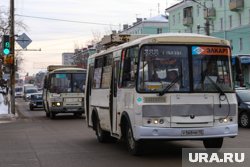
point(6, 44)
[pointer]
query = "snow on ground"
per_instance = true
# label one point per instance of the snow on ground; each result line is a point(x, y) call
point(3, 107)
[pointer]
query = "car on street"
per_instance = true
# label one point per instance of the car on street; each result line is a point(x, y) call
point(36, 101)
point(243, 98)
point(29, 92)
point(18, 91)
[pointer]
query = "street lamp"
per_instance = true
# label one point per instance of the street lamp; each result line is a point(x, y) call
point(206, 27)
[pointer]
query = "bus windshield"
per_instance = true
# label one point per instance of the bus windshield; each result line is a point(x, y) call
point(168, 68)
point(67, 82)
point(162, 67)
point(211, 68)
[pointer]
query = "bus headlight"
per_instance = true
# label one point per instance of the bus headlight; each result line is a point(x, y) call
point(154, 121)
point(224, 120)
point(56, 104)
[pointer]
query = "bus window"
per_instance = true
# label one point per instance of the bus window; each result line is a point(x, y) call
point(107, 70)
point(78, 81)
point(158, 64)
point(97, 73)
point(209, 70)
point(129, 66)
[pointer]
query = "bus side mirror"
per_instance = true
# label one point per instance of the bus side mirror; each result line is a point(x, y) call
point(45, 86)
point(45, 83)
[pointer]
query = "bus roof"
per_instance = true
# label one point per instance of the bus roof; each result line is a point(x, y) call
point(54, 67)
point(77, 70)
point(169, 38)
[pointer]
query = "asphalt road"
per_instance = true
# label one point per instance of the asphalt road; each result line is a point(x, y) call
point(33, 140)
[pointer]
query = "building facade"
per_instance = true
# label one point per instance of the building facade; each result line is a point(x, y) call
point(68, 59)
point(154, 25)
point(227, 19)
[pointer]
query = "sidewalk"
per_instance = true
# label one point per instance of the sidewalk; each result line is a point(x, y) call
point(5, 116)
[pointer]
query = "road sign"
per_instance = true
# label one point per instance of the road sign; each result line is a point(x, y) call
point(23, 40)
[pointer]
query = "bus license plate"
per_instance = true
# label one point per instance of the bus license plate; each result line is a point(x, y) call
point(72, 109)
point(192, 132)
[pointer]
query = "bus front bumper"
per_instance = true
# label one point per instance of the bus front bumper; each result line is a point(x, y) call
point(78, 109)
point(141, 132)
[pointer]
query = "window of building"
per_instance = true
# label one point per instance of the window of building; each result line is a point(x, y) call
point(240, 21)
point(188, 12)
point(198, 10)
point(212, 25)
point(221, 23)
point(173, 19)
point(241, 44)
point(230, 21)
point(159, 30)
point(231, 43)
point(249, 16)
point(221, 3)
point(179, 17)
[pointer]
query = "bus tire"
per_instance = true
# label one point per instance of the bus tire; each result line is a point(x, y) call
point(244, 119)
point(31, 108)
point(52, 115)
point(102, 136)
point(213, 143)
point(47, 114)
point(134, 147)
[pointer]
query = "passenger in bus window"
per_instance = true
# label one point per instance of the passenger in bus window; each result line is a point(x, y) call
point(197, 77)
point(172, 77)
point(155, 77)
point(76, 87)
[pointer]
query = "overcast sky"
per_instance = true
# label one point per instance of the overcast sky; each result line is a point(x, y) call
point(55, 37)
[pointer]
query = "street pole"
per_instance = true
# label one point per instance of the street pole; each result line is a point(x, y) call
point(12, 53)
point(207, 24)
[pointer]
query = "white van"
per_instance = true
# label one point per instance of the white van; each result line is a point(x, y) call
point(18, 91)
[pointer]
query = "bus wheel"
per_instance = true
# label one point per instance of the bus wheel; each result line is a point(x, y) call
point(52, 115)
point(133, 146)
point(31, 108)
point(213, 143)
point(47, 114)
point(101, 135)
point(244, 120)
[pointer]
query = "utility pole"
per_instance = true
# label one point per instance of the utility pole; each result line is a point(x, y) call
point(12, 53)
point(207, 24)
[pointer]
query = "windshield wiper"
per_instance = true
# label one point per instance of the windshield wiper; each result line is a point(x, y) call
point(216, 85)
point(170, 85)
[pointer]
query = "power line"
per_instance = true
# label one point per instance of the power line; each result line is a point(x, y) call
point(64, 20)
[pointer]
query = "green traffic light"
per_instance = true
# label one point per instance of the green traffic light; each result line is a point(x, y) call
point(6, 51)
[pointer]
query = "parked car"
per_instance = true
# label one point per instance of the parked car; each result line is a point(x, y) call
point(243, 97)
point(36, 101)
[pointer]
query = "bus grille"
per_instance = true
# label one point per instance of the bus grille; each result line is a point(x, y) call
point(154, 99)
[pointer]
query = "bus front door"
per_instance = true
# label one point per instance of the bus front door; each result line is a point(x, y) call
point(113, 107)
